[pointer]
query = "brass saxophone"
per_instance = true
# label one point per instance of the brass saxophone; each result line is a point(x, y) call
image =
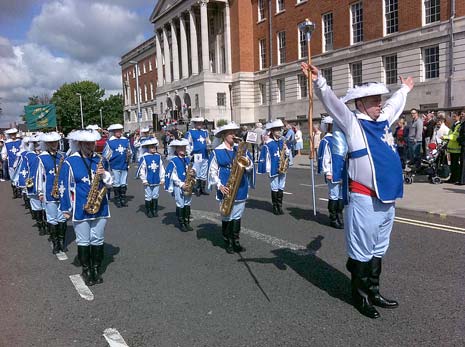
point(55, 192)
point(283, 158)
point(239, 164)
point(29, 182)
point(189, 183)
point(96, 195)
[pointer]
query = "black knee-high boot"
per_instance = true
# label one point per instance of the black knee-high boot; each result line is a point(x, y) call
point(280, 201)
point(62, 226)
point(180, 215)
point(225, 230)
point(203, 189)
point(236, 229)
point(376, 298)
point(13, 188)
point(42, 222)
point(117, 193)
point(84, 259)
point(340, 212)
point(187, 218)
point(123, 199)
point(332, 209)
point(154, 207)
point(54, 231)
point(197, 188)
point(96, 255)
point(148, 209)
point(274, 201)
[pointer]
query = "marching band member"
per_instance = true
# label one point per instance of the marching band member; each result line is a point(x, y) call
point(152, 173)
point(375, 179)
point(221, 161)
point(85, 175)
point(118, 152)
point(50, 162)
point(144, 135)
point(9, 151)
point(198, 140)
point(331, 160)
point(20, 174)
point(177, 182)
point(272, 155)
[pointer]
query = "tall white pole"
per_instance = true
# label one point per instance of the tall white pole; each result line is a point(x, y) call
point(139, 114)
point(101, 119)
point(82, 114)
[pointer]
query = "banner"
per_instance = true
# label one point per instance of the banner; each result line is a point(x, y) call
point(40, 116)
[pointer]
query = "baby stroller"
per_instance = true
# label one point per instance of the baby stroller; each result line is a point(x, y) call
point(434, 165)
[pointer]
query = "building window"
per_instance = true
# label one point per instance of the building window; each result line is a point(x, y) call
point(431, 62)
point(300, 1)
point(221, 99)
point(150, 65)
point(303, 86)
point(281, 47)
point(328, 75)
point(262, 91)
point(135, 96)
point(196, 101)
point(140, 94)
point(327, 32)
point(303, 53)
point(356, 11)
point(134, 72)
point(261, 10)
point(145, 92)
point(262, 52)
point(279, 6)
point(391, 15)
point(145, 71)
point(356, 73)
point(390, 69)
point(432, 10)
point(151, 90)
point(281, 90)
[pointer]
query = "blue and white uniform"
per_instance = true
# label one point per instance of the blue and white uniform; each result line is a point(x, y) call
point(9, 152)
point(269, 160)
point(175, 177)
point(116, 152)
point(152, 173)
point(197, 150)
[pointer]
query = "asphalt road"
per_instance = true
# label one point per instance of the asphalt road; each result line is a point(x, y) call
point(163, 287)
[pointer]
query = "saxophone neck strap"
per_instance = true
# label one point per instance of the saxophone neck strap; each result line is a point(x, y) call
point(88, 166)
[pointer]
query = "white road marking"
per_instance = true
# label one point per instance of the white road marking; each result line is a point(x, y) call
point(429, 223)
point(316, 185)
point(81, 287)
point(287, 193)
point(60, 255)
point(114, 338)
point(323, 199)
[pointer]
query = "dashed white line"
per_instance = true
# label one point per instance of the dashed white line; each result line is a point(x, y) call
point(316, 185)
point(287, 193)
point(114, 338)
point(60, 255)
point(81, 287)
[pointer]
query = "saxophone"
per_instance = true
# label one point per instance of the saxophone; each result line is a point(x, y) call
point(55, 192)
point(29, 182)
point(283, 158)
point(96, 195)
point(239, 164)
point(189, 182)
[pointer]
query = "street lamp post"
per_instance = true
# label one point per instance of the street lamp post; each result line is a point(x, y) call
point(139, 114)
point(82, 115)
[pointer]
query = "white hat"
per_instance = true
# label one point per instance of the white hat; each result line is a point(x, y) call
point(278, 123)
point(50, 137)
point(327, 120)
point(35, 137)
point(84, 135)
point(92, 127)
point(229, 126)
point(176, 143)
point(26, 139)
point(149, 142)
point(11, 131)
point(197, 119)
point(366, 89)
point(115, 127)
point(145, 130)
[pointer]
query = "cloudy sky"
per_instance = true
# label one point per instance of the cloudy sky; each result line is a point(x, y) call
point(45, 43)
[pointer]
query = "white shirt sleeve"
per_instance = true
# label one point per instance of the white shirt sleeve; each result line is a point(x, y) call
point(162, 173)
point(143, 172)
point(4, 153)
point(175, 179)
point(327, 163)
point(214, 173)
point(40, 178)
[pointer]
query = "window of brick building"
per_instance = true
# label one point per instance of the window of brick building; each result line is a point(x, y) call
point(279, 6)
point(145, 92)
point(328, 75)
point(391, 15)
point(151, 90)
point(196, 99)
point(221, 99)
point(431, 62)
point(356, 73)
point(303, 53)
point(150, 65)
point(135, 96)
point(262, 91)
point(280, 86)
point(390, 69)
point(356, 11)
point(145, 70)
point(261, 10)
point(432, 10)
point(327, 32)
point(262, 53)
point(281, 47)
point(303, 86)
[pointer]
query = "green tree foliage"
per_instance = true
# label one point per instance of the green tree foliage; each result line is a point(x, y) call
point(221, 122)
point(112, 110)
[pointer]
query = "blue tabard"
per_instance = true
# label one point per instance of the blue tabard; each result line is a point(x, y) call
point(199, 142)
point(181, 165)
point(118, 149)
point(12, 148)
point(50, 168)
point(23, 170)
point(152, 163)
point(74, 170)
point(338, 151)
point(271, 151)
point(384, 159)
point(33, 164)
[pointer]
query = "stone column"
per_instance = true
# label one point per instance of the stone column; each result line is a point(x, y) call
point(204, 32)
point(194, 52)
point(227, 38)
point(174, 47)
point(159, 59)
point(166, 47)
point(184, 50)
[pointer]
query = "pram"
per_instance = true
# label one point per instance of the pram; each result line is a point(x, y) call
point(434, 165)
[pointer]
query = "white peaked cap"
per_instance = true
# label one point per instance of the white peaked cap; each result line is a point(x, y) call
point(35, 137)
point(50, 137)
point(84, 135)
point(26, 139)
point(115, 127)
point(11, 131)
point(278, 123)
point(150, 141)
point(197, 119)
point(92, 127)
point(327, 120)
point(226, 127)
point(182, 142)
point(366, 89)
point(145, 130)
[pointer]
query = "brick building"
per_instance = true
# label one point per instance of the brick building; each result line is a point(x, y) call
point(220, 51)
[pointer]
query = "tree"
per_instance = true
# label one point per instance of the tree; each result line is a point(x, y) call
point(112, 110)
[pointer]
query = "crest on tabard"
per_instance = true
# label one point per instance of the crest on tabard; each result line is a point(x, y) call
point(86, 179)
point(62, 189)
point(201, 139)
point(23, 173)
point(13, 150)
point(388, 138)
point(120, 149)
point(153, 166)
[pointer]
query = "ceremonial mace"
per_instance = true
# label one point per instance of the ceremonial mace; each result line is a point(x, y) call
point(308, 27)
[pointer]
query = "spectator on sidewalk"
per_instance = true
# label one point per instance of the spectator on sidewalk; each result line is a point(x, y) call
point(461, 141)
point(429, 125)
point(441, 129)
point(299, 141)
point(399, 136)
point(257, 146)
point(316, 139)
point(453, 148)
point(415, 136)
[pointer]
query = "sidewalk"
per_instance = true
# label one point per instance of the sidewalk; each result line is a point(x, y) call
point(440, 199)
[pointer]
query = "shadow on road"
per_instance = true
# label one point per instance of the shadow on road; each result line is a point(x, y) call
point(141, 208)
point(454, 190)
point(259, 205)
point(210, 232)
point(307, 215)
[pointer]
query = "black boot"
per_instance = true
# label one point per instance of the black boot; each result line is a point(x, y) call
point(61, 236)
point(154, 207)
point(340, 212)
point(13, 188)
point(280, 201)
point(34, 215)
point(225, 229)
point(96, 255)
point(360, 282)
point(180, 215)
point(376, 298)
point(42, 222)
point(123, 190)
point(19, 193)
point(274, 201)
point(117, 191)
point(203, 189)
point(197, 188)
point(148, 209)
point(54, 237)
point(187, 218)
point(332, 208)
point(236, 229)
point(84, 259)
